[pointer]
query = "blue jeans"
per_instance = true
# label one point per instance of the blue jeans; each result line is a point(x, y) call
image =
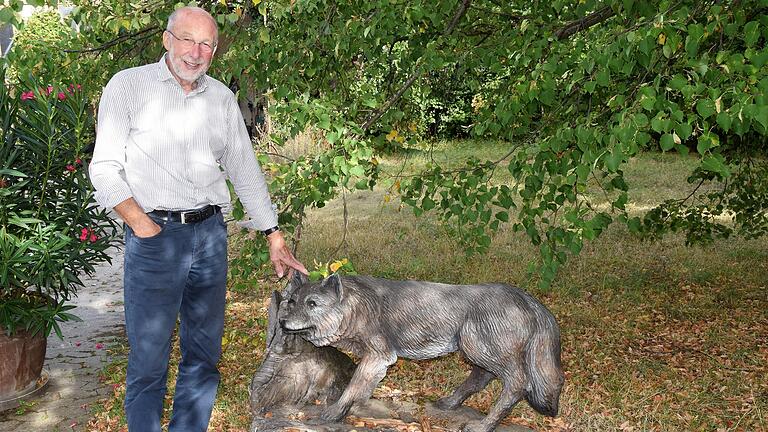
point(180, 272)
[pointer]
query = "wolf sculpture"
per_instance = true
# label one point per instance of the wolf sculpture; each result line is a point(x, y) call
point(501, 330)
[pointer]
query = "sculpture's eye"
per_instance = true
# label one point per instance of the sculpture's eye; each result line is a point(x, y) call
point(311, 304)
point(291, 303)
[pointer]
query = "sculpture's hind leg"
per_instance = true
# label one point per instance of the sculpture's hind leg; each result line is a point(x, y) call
point(476, 381)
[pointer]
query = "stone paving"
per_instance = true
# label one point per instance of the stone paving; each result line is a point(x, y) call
point(74, 363)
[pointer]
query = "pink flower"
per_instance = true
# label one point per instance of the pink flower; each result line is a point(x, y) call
point(77, 343)
point(71, 168)
point(49, 90)
point(99, 345)
point(78, 161)
point(74, 87)
point(93, 238)
point(84, 234)
point(28, 95)
point(61, 96)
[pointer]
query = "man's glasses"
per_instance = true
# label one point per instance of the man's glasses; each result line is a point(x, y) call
point(188, 44)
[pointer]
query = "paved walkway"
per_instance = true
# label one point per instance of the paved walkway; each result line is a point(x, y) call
point(74, 363)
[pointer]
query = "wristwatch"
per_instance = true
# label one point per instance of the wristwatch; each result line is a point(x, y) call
point(269, 231)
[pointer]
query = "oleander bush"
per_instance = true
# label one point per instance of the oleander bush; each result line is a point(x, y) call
point(51, 230)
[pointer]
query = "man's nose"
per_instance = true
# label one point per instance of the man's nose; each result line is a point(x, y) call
point(196, 51)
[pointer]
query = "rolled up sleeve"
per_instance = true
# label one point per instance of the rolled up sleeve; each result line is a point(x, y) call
point(108, 163)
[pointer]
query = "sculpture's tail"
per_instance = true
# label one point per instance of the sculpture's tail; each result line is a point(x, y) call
point(544, 369)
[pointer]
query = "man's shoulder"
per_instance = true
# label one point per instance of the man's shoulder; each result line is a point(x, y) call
point(218, 87)
point(136, 73)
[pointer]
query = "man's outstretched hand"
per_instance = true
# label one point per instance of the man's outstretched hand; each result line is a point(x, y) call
point(281, 257)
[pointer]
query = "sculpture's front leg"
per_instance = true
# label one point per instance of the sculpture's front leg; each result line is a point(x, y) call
point(368, 374)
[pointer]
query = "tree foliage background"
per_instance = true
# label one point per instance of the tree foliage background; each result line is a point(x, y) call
point(576, 88)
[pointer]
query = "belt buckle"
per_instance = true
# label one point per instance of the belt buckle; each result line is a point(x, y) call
point(183, 217)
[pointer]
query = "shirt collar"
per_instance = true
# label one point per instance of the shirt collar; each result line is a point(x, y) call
point(164, 74)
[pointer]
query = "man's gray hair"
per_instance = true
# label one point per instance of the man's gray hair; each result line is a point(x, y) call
point(189, 9)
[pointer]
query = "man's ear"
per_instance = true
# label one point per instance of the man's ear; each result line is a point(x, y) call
point(166, 41)
point(334, 283)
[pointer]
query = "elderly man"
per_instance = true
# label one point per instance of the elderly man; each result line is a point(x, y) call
point(164, 130)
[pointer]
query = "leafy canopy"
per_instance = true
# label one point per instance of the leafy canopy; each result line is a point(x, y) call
point(576, 89)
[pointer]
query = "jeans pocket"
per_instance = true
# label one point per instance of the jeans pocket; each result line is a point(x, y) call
point(220, 219)
point(159, 234)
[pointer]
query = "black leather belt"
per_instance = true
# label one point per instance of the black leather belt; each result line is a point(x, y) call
point(186, 216)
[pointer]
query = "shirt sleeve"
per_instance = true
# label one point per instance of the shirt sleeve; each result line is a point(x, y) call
point(242, 168)
point(112, 128)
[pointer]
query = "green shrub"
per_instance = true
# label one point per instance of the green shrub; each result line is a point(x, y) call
point(51, 230)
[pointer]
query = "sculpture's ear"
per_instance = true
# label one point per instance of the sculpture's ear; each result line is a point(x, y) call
point(334, 283)
point(297, 280)
point(273, 326)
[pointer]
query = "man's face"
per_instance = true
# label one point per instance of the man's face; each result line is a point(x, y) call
point(189, 64)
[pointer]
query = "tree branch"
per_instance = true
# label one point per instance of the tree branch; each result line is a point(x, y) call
point(588, 21)
point(141, 34)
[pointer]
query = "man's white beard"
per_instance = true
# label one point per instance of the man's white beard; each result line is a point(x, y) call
point(179, 69)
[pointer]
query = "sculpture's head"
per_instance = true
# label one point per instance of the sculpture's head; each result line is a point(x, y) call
point(313, 309)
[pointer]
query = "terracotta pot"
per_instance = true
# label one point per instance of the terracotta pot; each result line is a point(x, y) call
point(21, 362)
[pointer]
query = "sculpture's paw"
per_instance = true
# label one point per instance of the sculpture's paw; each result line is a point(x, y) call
point(446, 404)
point(475, 427)
point(317, 421)
point(332, 414)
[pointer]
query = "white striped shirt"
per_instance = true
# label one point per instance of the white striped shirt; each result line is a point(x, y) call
point(165, 148)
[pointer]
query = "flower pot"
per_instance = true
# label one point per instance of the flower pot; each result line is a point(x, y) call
point(21, 363)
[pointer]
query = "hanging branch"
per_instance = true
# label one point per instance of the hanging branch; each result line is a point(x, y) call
point(588, 21)
point(138, 35)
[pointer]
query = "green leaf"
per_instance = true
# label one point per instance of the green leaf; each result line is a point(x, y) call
point(716, 164)
point(613, 160)
point(264, 35)
point(762, 116)
point(647, 98)
point(667, 142)
point(751, 33)
point(684, 130)
point(647, 102)
point(705, 107)
point(357, 170)
point(12, 172)
point(677, 82)
point(695, 33)
point(724, 121)
point(583, 172)
point(324, 122)
point(706, 142)
point(603, 78)
point(7, 15)
point(427, 204)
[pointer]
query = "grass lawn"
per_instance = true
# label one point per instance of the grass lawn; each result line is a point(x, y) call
point(655, 336)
